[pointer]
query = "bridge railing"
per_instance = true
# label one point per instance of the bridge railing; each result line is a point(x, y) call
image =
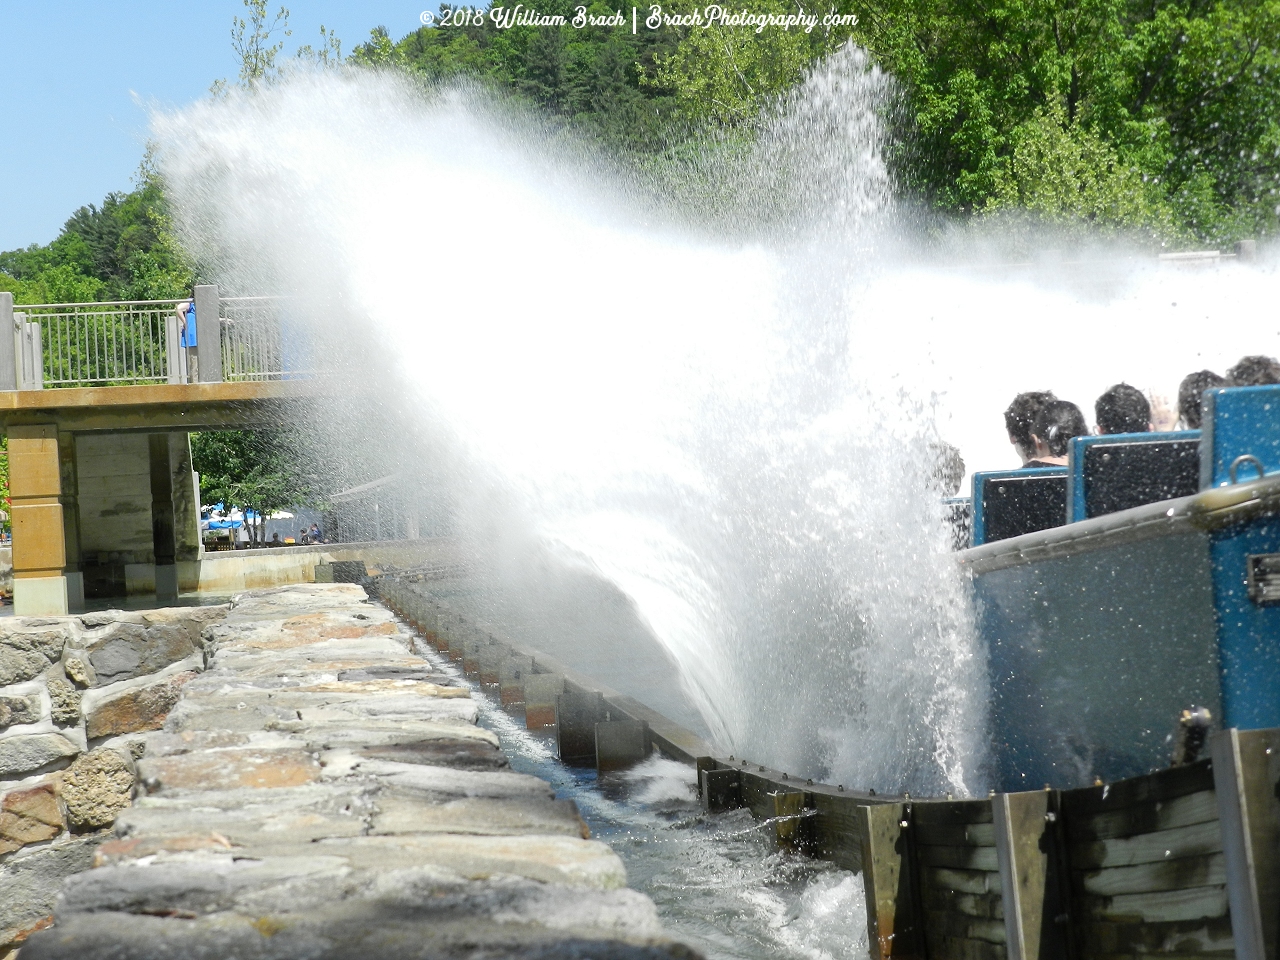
point(142, 341)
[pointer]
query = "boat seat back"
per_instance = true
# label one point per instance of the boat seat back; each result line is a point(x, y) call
point(1124, 470)
point(1241, 428)
point(1009, 503)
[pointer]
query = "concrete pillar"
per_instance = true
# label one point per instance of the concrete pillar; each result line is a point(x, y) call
point(208, 334)
point(8, 342)
point(70, 500)
point(186, 498)
point(162, 538)
point(39, 543)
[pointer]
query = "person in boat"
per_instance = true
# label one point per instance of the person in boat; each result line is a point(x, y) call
point(1254, 371)
point(1056, 424)
point(1020, 417)
point(1122, 409)
point(1191, 395)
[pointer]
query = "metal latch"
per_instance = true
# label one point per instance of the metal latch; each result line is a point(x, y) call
point(1263, 577)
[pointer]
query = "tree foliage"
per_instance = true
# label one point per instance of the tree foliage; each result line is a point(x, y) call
point(121, 250)
point(264, 470)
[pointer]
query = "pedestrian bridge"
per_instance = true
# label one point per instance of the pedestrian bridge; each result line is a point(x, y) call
point(97, 401)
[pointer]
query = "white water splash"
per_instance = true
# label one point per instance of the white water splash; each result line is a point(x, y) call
point(736, 432)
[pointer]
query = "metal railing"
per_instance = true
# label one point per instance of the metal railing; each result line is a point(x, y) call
point(252, 345)
point(94, 344)
point(140, 341)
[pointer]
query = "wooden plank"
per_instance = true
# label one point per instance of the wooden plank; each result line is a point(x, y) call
point(1192, 938)
point(1195, 840)
point(928, 813)
point(955, 948)
point(892, 927)
point(959, 858)
point(1180, 812)
point(1203, 871)
point(962, 881)
point(956, 835)
point(986, 906)
point(836, 835)
point(1194, 903)
point(1163, 785)
point(948, 925)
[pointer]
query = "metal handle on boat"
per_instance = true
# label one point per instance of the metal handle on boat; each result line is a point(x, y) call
point(1245, 458)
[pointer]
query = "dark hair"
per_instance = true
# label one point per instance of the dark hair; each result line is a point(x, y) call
point(1056, 423)
point(1191, 393)
point(1123, 409)
point(1021, 417)
point(948, 468)
point(1254, 371)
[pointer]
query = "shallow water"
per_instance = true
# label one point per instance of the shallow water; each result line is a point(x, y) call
point(718, 881)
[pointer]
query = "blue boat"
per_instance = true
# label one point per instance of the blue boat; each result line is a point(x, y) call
point(1139, 581)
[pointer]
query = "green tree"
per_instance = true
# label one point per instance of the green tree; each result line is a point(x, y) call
point(262, 470)
point(251, 40)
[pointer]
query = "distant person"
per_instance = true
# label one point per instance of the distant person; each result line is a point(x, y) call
point(303, 537)
point(275, 540)
point(948, 469)
point(315, 534)
point(1255, 371)
point(1123, 409)
point(186, 311)
point(1056, 424)
point(1020, 417)
point(1191, 396)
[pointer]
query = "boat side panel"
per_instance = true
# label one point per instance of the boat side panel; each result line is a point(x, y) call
point(1093, 656)
point(1249, 639)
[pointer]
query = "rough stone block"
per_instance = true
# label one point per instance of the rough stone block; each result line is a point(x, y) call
point(30, 816)
point(30, 881)
point(401, 812)
point(459, 754)
point(96, 787)
point(28, 753)
point(66, 700)
point(258, 767)
point(28, 646)
point(78, 668)
point(19, 710)
point(139, 708)
point(135, 650)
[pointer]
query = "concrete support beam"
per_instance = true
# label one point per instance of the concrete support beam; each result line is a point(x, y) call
point(208, 334)
point(69, 498)
point(163, 542)
point(39, 541)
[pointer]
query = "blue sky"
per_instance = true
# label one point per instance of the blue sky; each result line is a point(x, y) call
point(72, 73)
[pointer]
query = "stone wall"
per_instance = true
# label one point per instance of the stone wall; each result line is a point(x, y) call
point(322, 792)
point(76, 694)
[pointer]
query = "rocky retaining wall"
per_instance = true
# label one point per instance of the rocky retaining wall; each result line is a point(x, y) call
point(76, 693)
point(323, 791)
